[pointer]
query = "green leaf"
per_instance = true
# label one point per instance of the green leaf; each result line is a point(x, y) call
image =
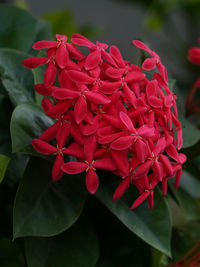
point(191, 135)
point(38, 75)
point(43, 207)
point(4, 161)
point(118, 245)
point(10, 254)
point(28, 121)
point(189, 205)
point(190, 184)
point(153, 226)
point(62, 22)
point(184, 238)
point(43, 29)
point(76, 247)
point(17, 80)
point(18, 28)
point(16, 168)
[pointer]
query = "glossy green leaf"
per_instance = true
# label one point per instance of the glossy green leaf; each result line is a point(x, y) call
point(118, 245)
point(189, 205)
point(18, 28)
point(62, 22)
point(76, 247)
point(43, 207)
point(153, 226)
point(190, 184)
point(16, 168)
point(10, 254)
point(38, 75)
point(4, 161)
point(28, 121)
point(184, 238)
point(17, 80)
point(43, 31)
point(191, 135)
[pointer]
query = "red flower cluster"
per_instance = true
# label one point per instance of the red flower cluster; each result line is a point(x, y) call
point(108, 116)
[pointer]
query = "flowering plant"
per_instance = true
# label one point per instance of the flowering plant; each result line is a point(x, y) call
point(109, 116)
point(92, 150)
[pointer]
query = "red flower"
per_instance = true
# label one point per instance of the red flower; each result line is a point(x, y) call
point(109, 116)
point(89, 165)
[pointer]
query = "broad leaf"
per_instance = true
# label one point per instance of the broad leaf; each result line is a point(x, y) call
point(184, 238)
point(118, 245)
point(10, 254)
point(28, 121)
point(38, 75)
point(17, 80)
point(190, 184)
point(191, 135)
point(43, 207)
point(16, 168)
point(76, 247)
point(153, 226)
point(18, 28)
point(189, 205)
point(4, 161)
point(62, 22)
point(43, 31)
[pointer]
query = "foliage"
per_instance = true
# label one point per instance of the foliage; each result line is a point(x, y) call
point(45, 223)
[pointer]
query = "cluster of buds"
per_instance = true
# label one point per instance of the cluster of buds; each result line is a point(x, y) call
point(108, 115)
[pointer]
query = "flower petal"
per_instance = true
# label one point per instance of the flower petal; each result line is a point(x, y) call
point(34, 62)
point(42, 90)
point(63, 133)
point(93, 60)
point(80, 77)
point(127, 121)
point(45, 44)
point(105, 164)
point(97, 98)
point(150, 200)
point(78, 39)
point(74, 150)
point(50, 133)
point(89, 148)
point(151, 88)
point(92, 181)
point(140, 199)
point(146, 131)
point(59, 109)
point(121, 189)
point(74, 167)
point(164, 187)
point(166, 163)
point(50, 75)
point(43, 147)
point(62, 56)
point(64, 93)
point(80, 109)
point(57, 173)
point(141, 45)
point(141, 150)
point(122, 143)
point(134, 76)
point(149, 64)
point(121, 161)
point(116, 55)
